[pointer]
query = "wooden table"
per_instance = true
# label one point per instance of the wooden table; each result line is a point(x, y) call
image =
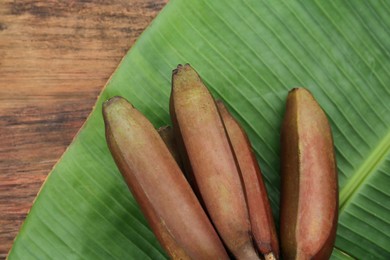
point(55, 57)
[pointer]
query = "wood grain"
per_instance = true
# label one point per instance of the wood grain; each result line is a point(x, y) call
point(55, 57)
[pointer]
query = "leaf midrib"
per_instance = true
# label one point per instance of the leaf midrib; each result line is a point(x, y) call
point(366, 169)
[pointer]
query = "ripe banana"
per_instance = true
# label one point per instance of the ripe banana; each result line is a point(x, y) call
point(196, 118)
point(157, 183)
point(260, 213)
point(309, 194)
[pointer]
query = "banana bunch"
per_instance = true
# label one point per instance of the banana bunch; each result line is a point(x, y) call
point(200, 187)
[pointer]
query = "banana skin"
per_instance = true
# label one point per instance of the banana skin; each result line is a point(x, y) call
point(168, 136)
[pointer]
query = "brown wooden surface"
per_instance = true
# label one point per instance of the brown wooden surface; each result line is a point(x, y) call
point(55, 57)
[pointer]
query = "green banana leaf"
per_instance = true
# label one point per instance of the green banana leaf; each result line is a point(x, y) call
point(249, 53)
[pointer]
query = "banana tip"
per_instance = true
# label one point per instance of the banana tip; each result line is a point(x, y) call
point(113, 103)
point(164, 128)
point(218, 101)
point(269, 256)
point(181, 67)
point(111, 100)
point(299, 89)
